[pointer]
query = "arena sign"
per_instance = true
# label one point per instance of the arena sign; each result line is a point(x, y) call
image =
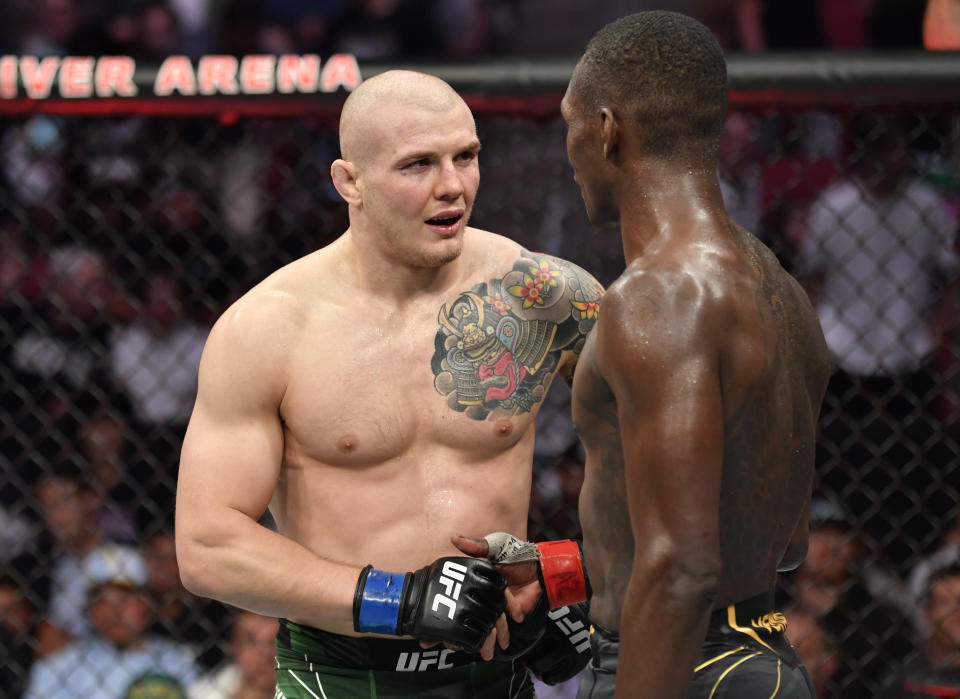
point(80, 77)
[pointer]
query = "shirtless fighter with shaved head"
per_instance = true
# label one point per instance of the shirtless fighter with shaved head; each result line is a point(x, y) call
point(376, 395)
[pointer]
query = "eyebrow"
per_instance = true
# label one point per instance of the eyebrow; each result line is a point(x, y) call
point(472, 146)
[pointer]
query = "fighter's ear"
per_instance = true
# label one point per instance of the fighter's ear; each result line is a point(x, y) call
point(609, 132)
point(344, 176)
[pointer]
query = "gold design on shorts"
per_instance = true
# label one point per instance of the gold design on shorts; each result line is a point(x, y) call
point(774, 621)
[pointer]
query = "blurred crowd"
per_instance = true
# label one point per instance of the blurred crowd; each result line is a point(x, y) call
point(123, 238)
point(446, 29)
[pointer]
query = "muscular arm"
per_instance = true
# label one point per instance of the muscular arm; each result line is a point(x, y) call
point(655, 354)
point(228, 471)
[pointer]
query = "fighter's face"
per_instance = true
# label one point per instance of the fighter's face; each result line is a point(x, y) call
point(943, 610)
point(419, 184)
point(586, 155)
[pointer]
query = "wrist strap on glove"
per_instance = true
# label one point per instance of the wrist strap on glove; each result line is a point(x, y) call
point(376, 602)
point(561, 572)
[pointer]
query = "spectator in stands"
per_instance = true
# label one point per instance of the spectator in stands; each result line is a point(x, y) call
point(947, 353)
point(935, 672)
point(158, 33)
point(69, 509)
point(875, 254)
point(94, 435)
point(946, 552)
point(858, 603)
point(103, 439)
point(740, 169)
point(896, 24)
point(155, 359)
point(244, 27)
point(34, 160)
point(197, 622)
point(769, 25)
point(817, 650)
point(250, 671)
point(772, 25)
point(941, 25)
point(53, 28)
point(119, 653)
point(307, 22)
point(378, 30)
point(63, 352)
point(17, 618)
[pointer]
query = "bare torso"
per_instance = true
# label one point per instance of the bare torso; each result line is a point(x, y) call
point(771, 367)
point(383, 457)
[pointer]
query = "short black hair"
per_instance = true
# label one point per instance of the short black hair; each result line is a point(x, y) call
point(667, 71)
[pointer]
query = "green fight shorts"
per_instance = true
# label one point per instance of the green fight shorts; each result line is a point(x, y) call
point(745, 655)
point(316, 664)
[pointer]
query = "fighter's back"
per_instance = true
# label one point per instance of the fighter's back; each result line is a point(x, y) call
point(774, 367)
point(704, 341)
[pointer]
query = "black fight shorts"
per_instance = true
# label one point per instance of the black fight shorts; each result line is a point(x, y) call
point(745, 655)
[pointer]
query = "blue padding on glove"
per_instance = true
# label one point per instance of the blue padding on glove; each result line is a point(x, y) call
point(380, 604)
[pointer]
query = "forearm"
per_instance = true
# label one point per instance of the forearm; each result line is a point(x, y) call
point(230, 557)
point(664, 621)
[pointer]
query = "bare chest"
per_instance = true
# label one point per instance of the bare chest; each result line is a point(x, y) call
point(364, 393)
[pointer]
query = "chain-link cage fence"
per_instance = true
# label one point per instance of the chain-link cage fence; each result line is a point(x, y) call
point(125, 235)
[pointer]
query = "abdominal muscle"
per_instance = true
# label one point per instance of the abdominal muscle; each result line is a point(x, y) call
point(398, 515)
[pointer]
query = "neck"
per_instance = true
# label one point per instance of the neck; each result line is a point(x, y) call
point(660, 201)
point(370, 270)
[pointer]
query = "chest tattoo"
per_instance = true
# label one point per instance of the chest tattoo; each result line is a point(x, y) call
point(499, 343)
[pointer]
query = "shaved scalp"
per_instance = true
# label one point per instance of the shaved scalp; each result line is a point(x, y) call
point(666, 72)
point(368, 108)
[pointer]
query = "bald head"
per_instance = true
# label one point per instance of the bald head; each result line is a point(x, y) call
point(365, 117)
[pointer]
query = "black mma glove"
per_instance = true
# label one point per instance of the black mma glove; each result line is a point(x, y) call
point(564, 648)
point(525, 633)
point(555, 645)
point(456, 600)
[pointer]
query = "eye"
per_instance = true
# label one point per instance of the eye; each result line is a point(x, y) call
point(416, 164)
point(466, 156)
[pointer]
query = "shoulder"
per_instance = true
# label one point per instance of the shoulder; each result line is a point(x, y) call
point(249, 346)
point(269, 314)
point(650, 296)
point(499, 257)
point(496, 247)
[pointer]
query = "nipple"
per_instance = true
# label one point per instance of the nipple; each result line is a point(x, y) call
point(347, 442)
point(503, 427)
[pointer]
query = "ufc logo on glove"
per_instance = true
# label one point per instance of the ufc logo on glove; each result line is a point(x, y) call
point(451, 577)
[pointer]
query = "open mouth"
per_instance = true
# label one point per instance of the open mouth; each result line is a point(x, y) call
point(444, 220)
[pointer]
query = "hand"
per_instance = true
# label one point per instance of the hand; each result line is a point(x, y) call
point(497, 640)
point(522, 576)
point(563, 650)
point(455, 600)
point(557, 565)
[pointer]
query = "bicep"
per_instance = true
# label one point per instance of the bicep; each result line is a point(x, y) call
point(234, 443)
